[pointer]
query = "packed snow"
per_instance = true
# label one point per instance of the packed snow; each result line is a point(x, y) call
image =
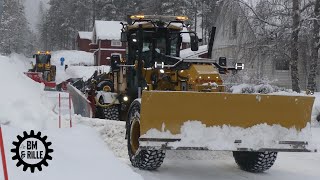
point(21, 98)
point(196, 134)
point(182, 165)
point(79, 153)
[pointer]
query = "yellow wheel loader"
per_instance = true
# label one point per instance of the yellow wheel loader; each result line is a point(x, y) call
point(43, 65)
point(43, 71)
point(173, 103)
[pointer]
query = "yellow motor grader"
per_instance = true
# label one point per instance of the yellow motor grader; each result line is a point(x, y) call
point(173, 103)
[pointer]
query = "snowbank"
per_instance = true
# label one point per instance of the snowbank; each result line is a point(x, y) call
point(261, 88)
point(21, 98)
point(78, 72)
point(72, 57)
point(75, 61)
point(79, 154)
point(196, 134)
point(112, 132)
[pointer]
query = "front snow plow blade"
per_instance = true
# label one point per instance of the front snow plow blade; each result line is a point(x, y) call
point(37, 76)
point(240, 121)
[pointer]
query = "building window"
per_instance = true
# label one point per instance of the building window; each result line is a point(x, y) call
point(116, 43)
point(116, 54)
point(282, 63)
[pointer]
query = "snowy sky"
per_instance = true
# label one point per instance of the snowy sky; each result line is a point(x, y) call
point(32, 11)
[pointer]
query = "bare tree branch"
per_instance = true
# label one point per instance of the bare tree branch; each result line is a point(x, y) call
point(257, 15)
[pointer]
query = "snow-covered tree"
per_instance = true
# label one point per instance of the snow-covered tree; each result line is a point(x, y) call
point(14, 30)
point(315, 45)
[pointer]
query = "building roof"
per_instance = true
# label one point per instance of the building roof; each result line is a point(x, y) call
point(110, 30)
point(85, 35)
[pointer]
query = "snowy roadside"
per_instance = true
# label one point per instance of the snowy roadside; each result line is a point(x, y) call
point(79, 153)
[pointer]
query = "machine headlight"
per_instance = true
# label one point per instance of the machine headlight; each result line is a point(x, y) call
point(125, 98)
point(161, 71)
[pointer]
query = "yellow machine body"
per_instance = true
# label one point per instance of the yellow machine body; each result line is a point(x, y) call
point(199, 77)
point(170, 110)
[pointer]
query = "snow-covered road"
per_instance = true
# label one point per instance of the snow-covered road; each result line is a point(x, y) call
point(190, 165)
point(288, 166)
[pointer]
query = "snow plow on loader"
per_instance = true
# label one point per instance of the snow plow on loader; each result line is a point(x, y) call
point(173, 103)
point(43, 71)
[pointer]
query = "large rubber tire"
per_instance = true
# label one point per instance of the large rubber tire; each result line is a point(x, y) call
point(110, 113)
point(255, 162)
point(105, 83)
point(53, 73)
point(46, 76)
point(150, 159)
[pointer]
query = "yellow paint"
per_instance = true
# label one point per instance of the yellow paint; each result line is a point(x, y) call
point(216, 109)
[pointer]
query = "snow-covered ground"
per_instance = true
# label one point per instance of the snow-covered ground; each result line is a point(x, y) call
point(80, 65)
point(208, 165)
point(72, 57)
point(21, 98)
point(79, 153)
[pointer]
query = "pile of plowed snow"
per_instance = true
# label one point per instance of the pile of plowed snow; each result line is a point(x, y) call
point(84, 72)
point(20, 97)
point(72, 57)
point(80, 65)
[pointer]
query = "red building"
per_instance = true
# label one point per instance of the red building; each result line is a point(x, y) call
point(106, 42)
point(83, 41)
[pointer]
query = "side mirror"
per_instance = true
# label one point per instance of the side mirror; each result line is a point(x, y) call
point(124, 37)
point(194, 42)
point(239, 66)
point(115, 62)
point(222, 61)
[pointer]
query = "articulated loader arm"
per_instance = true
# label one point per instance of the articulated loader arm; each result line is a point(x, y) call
point(221, 64)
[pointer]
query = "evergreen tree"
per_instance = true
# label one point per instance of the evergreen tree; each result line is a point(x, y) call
point(14, 30)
